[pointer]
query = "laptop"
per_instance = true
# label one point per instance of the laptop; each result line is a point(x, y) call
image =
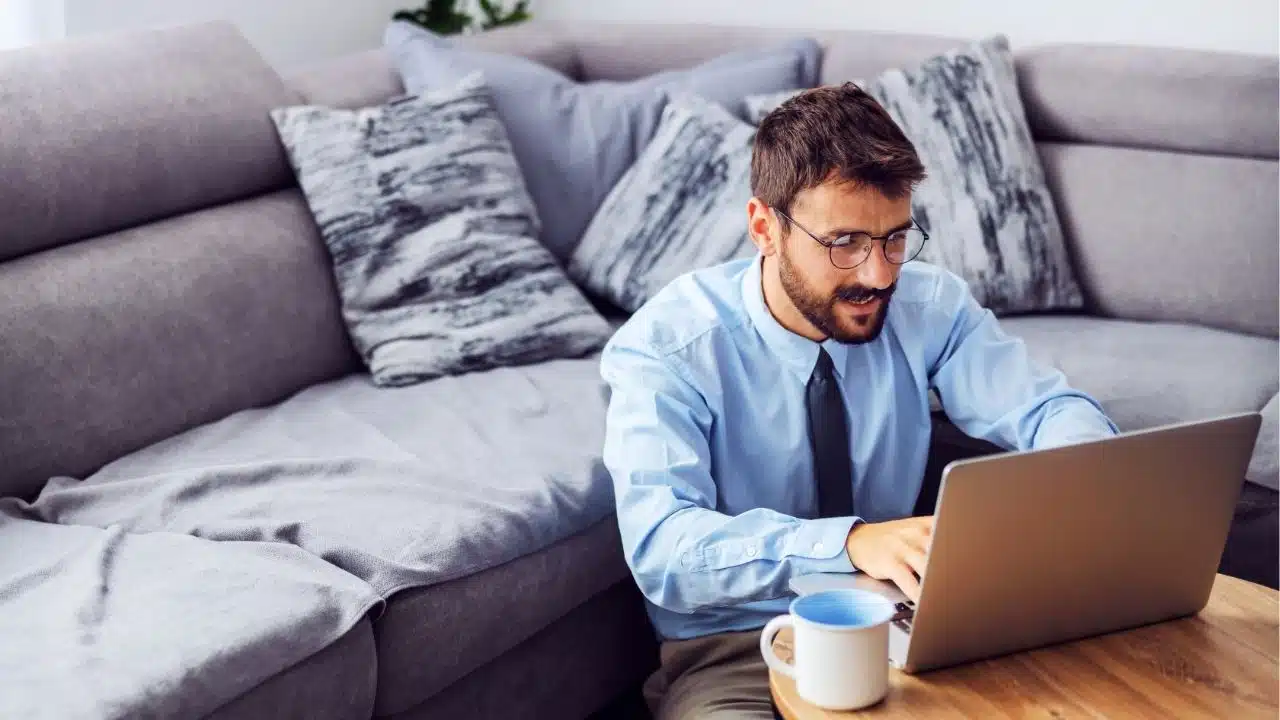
point(1038, 547)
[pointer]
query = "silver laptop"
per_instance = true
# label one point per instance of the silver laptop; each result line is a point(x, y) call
point(1039, 547)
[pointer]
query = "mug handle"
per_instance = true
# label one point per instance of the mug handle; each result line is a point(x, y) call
point(766, 645)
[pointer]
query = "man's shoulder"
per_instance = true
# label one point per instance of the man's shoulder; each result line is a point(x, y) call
point(691, 307)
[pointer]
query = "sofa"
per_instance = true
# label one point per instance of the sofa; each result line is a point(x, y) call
point(163, 286)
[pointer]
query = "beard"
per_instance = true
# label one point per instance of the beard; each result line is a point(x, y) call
point(820, 309)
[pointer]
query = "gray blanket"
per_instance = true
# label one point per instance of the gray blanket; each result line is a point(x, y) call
point(398, 488)
point(102, 623)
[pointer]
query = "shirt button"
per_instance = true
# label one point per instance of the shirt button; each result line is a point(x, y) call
point(751, 552)
point(817, 547)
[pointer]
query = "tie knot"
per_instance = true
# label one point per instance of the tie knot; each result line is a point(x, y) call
point(824, 367)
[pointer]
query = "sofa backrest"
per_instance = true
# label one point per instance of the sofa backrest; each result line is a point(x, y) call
point(1163, 162)
point(157, 268)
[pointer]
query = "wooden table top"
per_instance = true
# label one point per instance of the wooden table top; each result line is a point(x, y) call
point(1220, 663)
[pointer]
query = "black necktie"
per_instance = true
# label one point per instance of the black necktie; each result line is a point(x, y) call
point(829, 439)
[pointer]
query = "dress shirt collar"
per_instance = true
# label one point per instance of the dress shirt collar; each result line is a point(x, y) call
point(797, 352)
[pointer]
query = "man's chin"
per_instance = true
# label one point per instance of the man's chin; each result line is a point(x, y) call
point(856, 328)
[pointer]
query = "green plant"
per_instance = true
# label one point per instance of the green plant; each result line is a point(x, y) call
point(496, 16)
point(443, 17)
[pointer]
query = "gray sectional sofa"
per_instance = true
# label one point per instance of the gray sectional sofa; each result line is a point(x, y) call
point(164, 293)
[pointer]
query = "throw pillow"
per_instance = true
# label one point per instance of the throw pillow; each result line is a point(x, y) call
point(680, 207)
point(575, 140)
point(986, 204)
point(432, 235)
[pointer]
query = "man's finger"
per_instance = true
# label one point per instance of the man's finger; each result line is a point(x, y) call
point(906, 582)
point(915, 558)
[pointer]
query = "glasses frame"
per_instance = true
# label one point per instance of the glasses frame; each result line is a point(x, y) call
point(830, 244)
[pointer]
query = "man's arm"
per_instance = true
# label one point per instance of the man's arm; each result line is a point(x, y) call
point(992, 389)
point(684, 554)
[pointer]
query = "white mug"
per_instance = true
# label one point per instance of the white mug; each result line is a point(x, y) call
point(841, 640)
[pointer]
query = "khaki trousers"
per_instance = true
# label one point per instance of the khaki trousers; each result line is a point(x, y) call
point(721, 677)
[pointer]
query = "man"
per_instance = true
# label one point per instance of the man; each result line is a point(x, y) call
point(770, 417)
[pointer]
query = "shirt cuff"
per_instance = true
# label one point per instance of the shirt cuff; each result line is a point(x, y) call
point(819, 546)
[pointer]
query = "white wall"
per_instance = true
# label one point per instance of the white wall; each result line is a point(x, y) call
point(26, 22)
point(286, 32)
point(1241, 25)
point(291, 32)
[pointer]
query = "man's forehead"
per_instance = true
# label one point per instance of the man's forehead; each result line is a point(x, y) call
point(847, 206)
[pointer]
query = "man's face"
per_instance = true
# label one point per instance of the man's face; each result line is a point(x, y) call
point(848, 305)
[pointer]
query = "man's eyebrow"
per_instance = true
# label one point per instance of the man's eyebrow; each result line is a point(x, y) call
point(832, 234)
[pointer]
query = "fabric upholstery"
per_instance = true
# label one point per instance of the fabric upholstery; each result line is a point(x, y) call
point(115, 343)
point(626, 52)
point(571, 668)
point(369, 78)
point(1264, 468)
point(1171, 236)
point(679, 208)
point(337, 683)
point(348, 82)
point(473, 620)
point(1159, 98)
point(575, 140)
point(433, 237)
point(1148, 374)
point(110, 132)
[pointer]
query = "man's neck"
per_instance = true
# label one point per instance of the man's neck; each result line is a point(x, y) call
point(779, 304)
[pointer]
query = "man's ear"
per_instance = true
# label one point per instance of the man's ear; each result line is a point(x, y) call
point(762, 226)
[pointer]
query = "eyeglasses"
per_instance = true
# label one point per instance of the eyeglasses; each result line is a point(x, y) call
point(850, 251)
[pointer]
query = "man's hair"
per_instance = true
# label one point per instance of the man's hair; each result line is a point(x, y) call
point(828, 132)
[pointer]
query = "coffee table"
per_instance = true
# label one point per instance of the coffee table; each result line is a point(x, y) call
point(1219, 663)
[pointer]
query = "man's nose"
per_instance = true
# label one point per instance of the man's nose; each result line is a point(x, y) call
point(876, 271)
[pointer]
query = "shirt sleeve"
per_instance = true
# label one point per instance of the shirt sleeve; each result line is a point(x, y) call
point(992, 389)
point(683, 553)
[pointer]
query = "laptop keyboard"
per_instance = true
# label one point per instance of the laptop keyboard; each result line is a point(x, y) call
point(905, 611)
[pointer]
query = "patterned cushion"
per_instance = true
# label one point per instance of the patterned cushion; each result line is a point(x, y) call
point(986, 205)
point(574, 140)
point(432, 236)
point(679, 207)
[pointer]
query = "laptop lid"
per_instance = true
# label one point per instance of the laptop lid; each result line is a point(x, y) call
point(1038, 547)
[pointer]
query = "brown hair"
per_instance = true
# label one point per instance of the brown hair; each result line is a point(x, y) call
point(831, 130)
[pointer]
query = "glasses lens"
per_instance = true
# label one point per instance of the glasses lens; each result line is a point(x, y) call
point(850, 250)
point(904, 245)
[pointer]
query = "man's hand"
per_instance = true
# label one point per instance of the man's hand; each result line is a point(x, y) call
point(893, 550)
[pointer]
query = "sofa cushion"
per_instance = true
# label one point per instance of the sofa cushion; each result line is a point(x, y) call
point(468, 622)
point(679, 208)
point(1149, 374)
point(114, 343)
point(1171, 236)
point(1196, 101)
point(574, 140)
point(433, 236)
point(103, 133)
point(337, 683)
point(1264, 469)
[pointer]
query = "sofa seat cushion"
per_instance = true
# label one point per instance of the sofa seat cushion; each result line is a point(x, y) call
point(1147, 373)
point(401, 487)
point(431, 637)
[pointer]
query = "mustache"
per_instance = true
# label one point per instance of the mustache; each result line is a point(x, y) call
point(860, 293)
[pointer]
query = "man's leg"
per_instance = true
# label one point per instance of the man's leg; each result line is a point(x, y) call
point(720, 677)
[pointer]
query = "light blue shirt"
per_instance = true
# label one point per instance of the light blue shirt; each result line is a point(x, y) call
point(707, 437)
